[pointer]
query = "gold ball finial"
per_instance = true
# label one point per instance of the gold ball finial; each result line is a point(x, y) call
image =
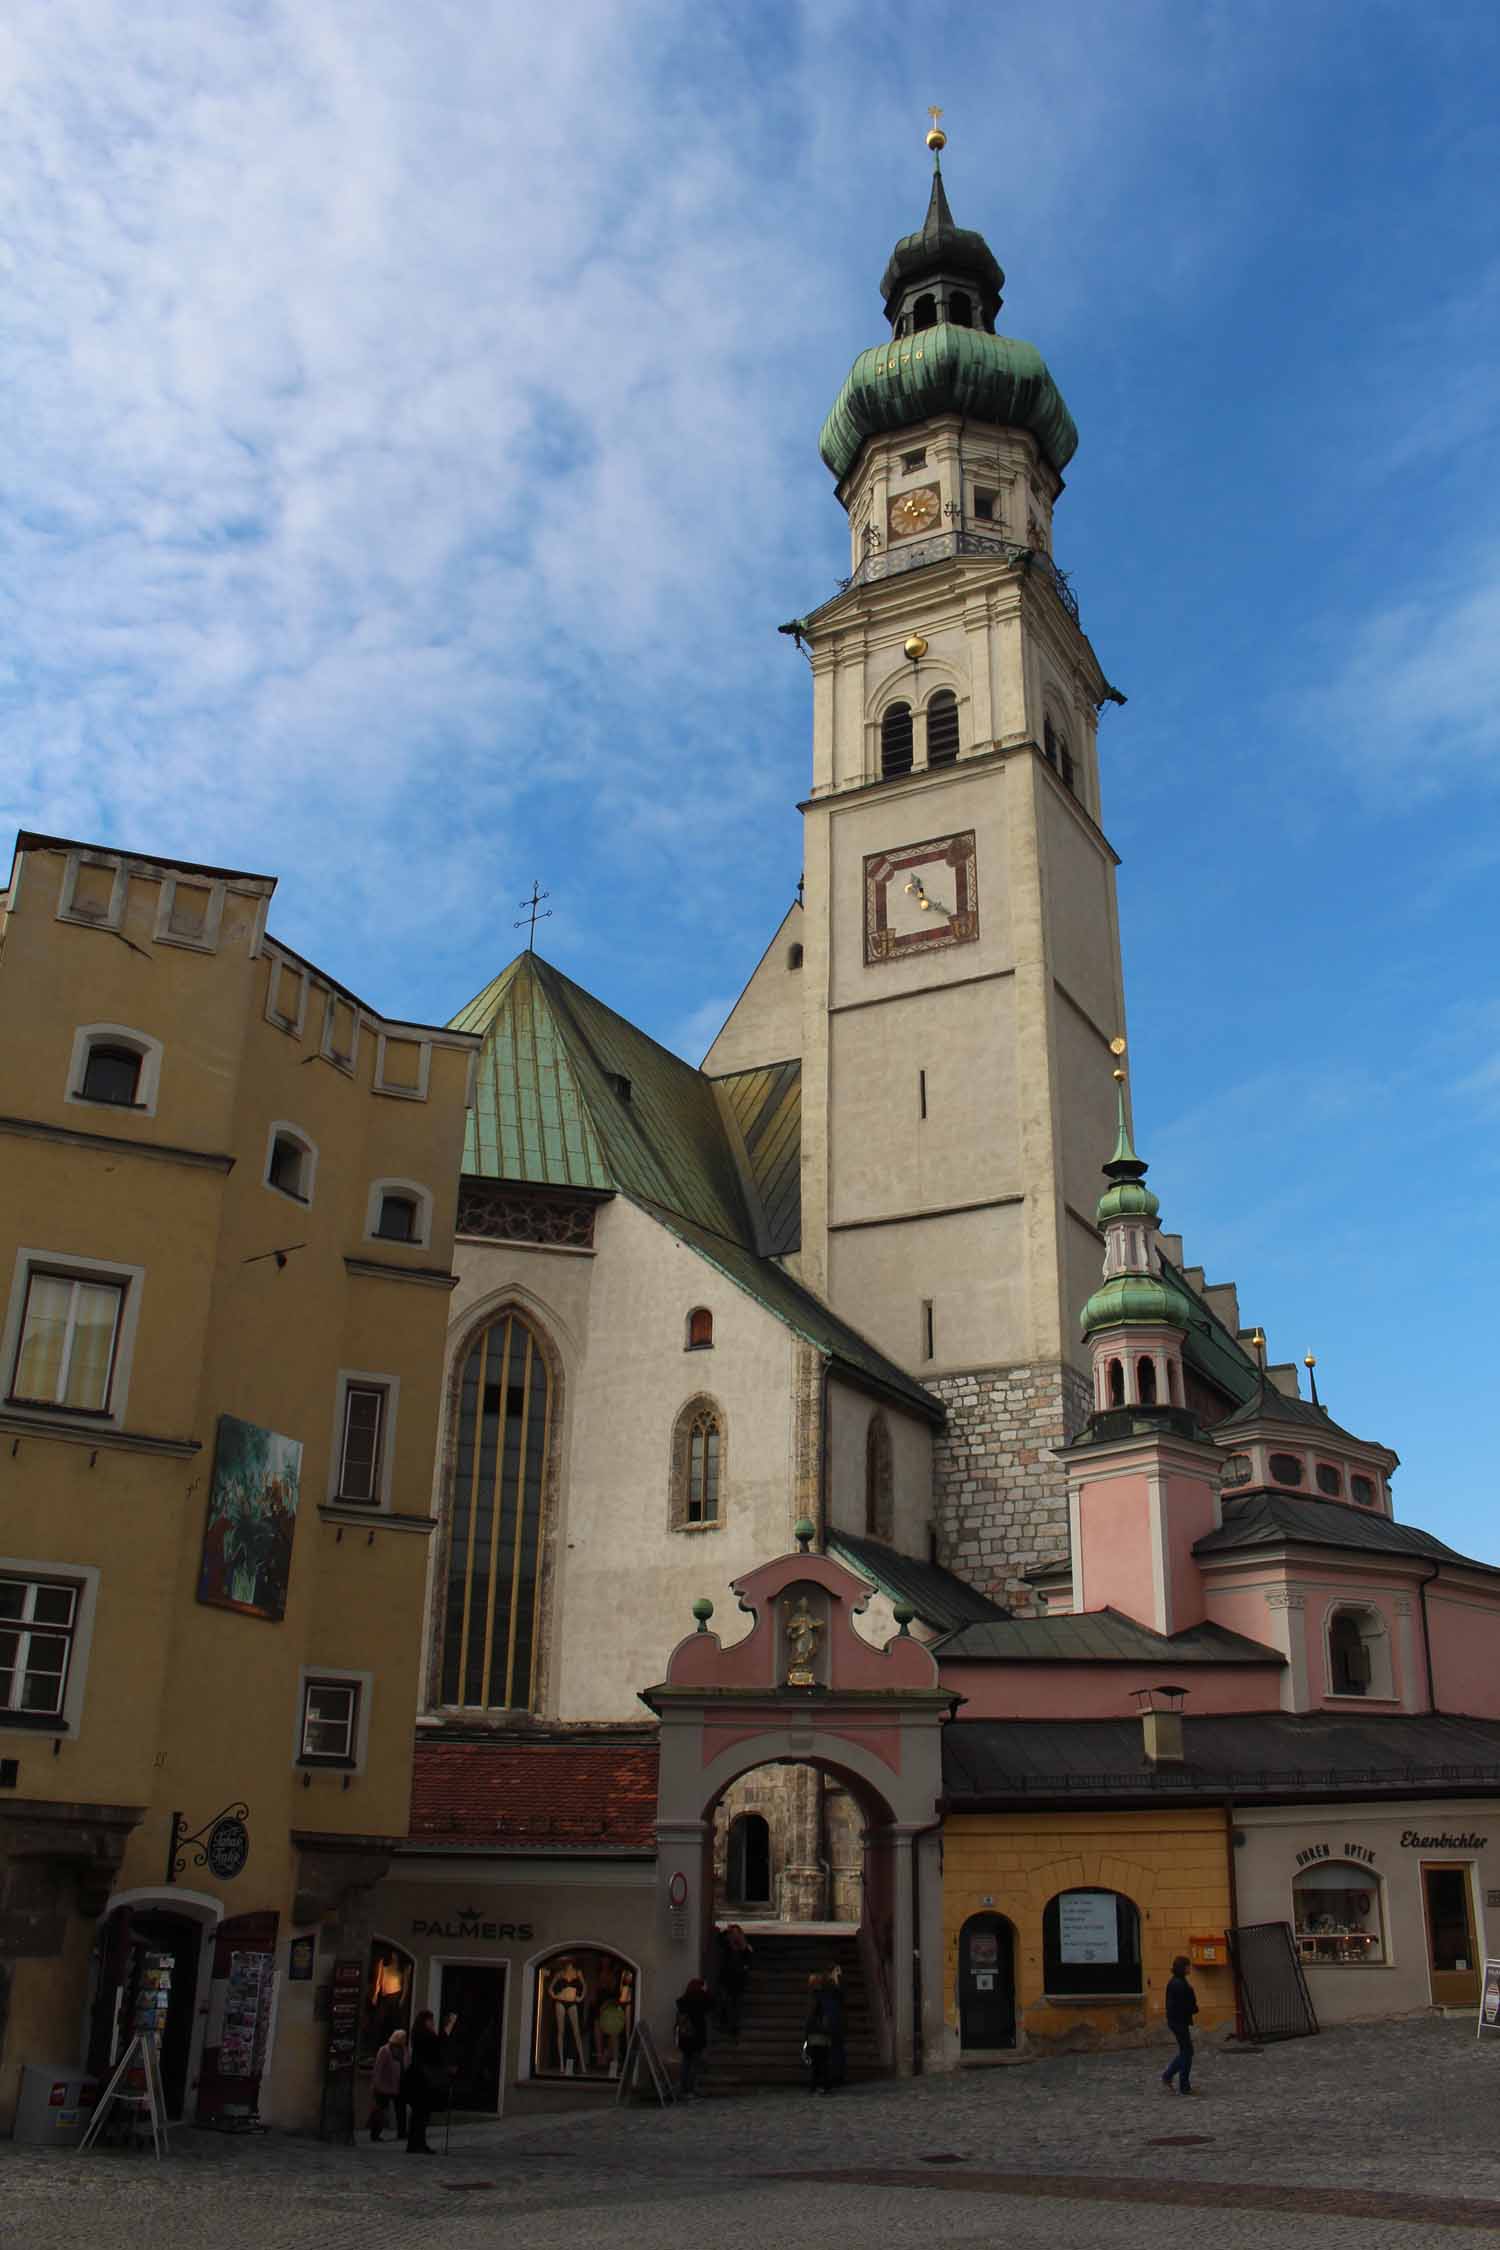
point(1309, 1359)
point(937, 139)
point(915, 646)
point(1118, 1076)
point(1117, 1045)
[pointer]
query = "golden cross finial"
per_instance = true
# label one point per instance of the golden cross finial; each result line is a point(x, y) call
point(936, 138)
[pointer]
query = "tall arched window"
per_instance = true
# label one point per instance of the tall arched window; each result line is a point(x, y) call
point(960, 308)
point(924, 313)
point(494, 1553)
point(942, 728)
point(1349, 1665)
point(698, 1466)
point(879, 1498)
point(1056, 752)
point(895, 741)
point(1116, 1380)
point(1145, 1381)
point(748, 1861)
point(1091, 1942)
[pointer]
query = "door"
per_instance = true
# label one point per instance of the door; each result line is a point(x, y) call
point(241, 2013)
point(986, 1982)
point(474, 1994)
point(1452, 1963)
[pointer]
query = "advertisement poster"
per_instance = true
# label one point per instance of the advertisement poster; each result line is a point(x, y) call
point(1088, 1926)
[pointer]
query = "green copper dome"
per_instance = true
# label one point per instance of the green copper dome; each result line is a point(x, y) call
point(1127, 1199)
point(947, 370)
point(1136, 1299)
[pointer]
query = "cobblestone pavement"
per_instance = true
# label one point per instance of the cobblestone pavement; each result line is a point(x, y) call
point(1383, 2136)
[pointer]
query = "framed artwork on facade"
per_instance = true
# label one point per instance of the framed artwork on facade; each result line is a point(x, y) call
point(921, 897)
point(252, 1515)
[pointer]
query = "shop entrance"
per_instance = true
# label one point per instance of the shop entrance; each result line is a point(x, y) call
point(1447, 1902)
point(986, 1983)
point(473, 1992)
point(148, 1982)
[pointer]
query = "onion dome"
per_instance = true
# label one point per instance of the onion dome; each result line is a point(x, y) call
point(1140, 1295)
point(942, 290)
point(1128, 1197)
point(1136, 1299)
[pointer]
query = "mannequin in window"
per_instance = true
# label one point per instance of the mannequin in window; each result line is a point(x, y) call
point(566, 1990)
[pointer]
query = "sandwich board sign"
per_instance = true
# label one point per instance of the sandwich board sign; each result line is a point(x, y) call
point(1489, 1999)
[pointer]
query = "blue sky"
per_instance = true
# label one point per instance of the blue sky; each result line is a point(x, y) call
point(410, 449)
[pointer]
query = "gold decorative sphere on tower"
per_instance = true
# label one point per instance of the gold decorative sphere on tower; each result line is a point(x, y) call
point(937, 139)
point(915, 647)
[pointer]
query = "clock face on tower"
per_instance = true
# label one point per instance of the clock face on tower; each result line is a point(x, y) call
point(921, 897)
point(914, 511)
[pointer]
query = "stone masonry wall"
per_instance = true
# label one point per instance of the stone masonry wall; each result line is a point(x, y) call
point(1000, 1495)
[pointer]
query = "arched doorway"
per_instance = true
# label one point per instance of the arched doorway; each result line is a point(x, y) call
point(986, 1984)
point(747, 1879)
point(149, 1958)
point(803, 1689)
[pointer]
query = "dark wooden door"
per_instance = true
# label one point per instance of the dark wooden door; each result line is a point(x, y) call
point(987, 1982)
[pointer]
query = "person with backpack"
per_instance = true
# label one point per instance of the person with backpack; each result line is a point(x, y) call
point(1182, 2006)
point(692, 2034)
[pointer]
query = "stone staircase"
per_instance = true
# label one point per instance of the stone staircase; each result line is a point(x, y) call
point(768, 2051)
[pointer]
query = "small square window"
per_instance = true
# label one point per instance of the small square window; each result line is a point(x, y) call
point(1363, 1490)
point(916, 460)
point(287, 1169)
point(398, 1218)
point(1330, 1480)
point(69, 1331)
point(112, 1074)
point(984, 506)
point(330, 1710)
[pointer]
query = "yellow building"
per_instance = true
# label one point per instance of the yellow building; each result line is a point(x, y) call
point(1059, 1929)
point(226, 1228)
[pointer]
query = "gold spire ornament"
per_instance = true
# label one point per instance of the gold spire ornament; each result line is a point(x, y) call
point(937, 139)
point(1117, 1049)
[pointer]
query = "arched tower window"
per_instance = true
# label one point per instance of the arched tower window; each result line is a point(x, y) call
point(1057, 754)
point(1145, 1381)
point(494, 1578)
point(924, 313)
point(879, 1481)
point(960, 308)
point(895, 741)
point(1348, 1656)
point(942, 728)
point(1115, 1376)
point(698, 1452)
point(794, 956)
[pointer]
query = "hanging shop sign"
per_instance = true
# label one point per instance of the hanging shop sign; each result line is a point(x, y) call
point(222, 1844)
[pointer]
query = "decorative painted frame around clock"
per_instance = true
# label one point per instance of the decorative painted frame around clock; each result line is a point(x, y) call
point(960, 927)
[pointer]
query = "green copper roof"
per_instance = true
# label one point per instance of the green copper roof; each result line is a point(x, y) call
point(1135, 1298)
point(570, 1094)
point(1127, 1196)
point(947, 370)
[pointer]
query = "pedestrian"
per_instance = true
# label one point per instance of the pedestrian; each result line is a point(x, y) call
point(426, 2081)
point(735, 1956)
point(1182, 2006)
point(385, 2085)
point(833, 2009)
point(692, 2034)
point(817, 2034)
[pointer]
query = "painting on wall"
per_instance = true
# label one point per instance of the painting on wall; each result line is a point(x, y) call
point(252, 1514)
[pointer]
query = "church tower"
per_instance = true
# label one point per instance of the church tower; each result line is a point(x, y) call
point(960, 965)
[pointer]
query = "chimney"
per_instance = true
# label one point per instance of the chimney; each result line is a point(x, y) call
point(1161, 1723)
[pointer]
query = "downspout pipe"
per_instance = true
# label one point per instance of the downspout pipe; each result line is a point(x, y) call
point(1234, 1915)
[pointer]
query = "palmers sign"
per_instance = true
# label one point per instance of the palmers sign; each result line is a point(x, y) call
point(472, 1925)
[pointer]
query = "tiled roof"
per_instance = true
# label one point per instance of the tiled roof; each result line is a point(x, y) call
point(1277, 1519)
point(568, 1094)
point(939, 1599)
point(564, 1796)
point(1246, 1756)
point(1101, 1636)
point(1273, 1405)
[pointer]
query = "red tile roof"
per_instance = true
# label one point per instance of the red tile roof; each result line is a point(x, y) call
point(569, 1796)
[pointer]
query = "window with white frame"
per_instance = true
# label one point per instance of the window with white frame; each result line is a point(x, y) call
point(398, 1211)
point(398, 1218)
point(291, 1163)
point(362, 1443)
point(330, 1722)
point(38, 1619)
point(115, 1066)
point(68, 1342)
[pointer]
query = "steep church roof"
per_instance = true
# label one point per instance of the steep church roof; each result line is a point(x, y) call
point(570, 1094)
point(939, 1598)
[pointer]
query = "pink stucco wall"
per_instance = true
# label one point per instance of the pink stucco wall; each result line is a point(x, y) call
point(1114, 1518)
point(1190, 1514)
point(1464, 1668)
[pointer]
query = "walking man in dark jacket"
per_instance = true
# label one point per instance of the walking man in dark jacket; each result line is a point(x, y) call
point(1182, 2006)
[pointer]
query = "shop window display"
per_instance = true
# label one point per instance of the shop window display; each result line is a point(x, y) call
point(1336, 1913)
point(585, 2007)
point(388, 1985)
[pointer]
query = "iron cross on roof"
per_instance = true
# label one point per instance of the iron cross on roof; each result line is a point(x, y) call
point(531, 910)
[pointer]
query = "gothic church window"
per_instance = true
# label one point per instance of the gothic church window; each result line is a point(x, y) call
point(895, 741)
point(697, 1484)
point(942, 728)
point(879, 1481)
point(492, 1595)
